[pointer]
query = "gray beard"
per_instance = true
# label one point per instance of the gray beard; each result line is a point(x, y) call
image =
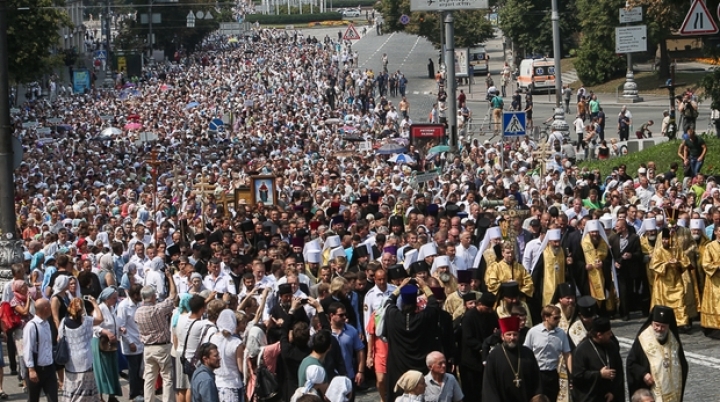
point(661, 338)
point(568, 311)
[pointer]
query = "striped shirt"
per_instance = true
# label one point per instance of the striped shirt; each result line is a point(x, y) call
point(153, 322)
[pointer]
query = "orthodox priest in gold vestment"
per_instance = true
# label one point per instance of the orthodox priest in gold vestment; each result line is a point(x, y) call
point(668, 263)
point(710, 318)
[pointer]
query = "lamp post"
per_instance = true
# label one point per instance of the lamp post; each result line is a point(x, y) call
point(10, 246)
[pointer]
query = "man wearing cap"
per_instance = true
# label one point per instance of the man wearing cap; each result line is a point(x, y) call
point(657, 359)
point(632, 280)
point(587, 309)
point(411, 333)
point(455, 302)
point(668, 263)
point(597, 367)
point(424, 262)
point(596, 255)
point(548, 270)
point(511, 371)
point(508, 270)
point(476, 324)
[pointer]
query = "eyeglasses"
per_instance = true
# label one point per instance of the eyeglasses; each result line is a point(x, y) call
point(556, 317)
point(340, 314)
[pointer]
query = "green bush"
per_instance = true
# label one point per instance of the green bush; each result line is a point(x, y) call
point(293, 18)
point(663, 155)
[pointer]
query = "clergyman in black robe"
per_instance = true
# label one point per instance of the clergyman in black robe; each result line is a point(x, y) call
point(597, 367)
point(411, 334)
point(511, 371)
point(645, 368)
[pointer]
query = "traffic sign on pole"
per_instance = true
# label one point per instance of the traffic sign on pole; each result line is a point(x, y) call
point(631, 39)
point(698, 21)
point(351, 33)
point(513, 124)
point(628, 15)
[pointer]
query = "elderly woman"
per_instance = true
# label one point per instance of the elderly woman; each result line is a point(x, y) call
point(104, 347)
point(23, 302)
point(77, 328)
point(229, 377)
point(314, 383)
point(129, 275)
point(412, 384)
point(59, 303)
point(196, 283)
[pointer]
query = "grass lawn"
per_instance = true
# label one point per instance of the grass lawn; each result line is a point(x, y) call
point(648, 83)
point(663, 155)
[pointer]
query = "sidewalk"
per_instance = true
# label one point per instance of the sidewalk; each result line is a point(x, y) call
point(479, 95)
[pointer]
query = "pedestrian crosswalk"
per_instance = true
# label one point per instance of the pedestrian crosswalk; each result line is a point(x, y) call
point(569, 77)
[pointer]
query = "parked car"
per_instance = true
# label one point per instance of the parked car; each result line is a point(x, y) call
point(350, 13)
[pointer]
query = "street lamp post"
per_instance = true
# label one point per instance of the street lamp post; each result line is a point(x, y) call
point(10, 246)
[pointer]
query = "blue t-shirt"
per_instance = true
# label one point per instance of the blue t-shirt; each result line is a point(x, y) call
point(349, 340)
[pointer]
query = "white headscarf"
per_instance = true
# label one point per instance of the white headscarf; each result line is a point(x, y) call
point(61, 284)
point(227, 321)
point(339, 390)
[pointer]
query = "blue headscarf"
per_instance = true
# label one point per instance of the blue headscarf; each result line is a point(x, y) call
point(107, 293)
point(37, 260)
point(183, 307)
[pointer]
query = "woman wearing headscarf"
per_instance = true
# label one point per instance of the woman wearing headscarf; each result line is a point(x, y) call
point(196, 283)
point(228, 377)
point(129, 275)
point(412, 384)
point(314, 383)
point(107, 271)
point(59, 302)
point(105, 362)
point(23, 302)
point(339, 390)
point(77, 328)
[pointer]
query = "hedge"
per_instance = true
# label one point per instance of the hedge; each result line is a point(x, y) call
point(293, 18)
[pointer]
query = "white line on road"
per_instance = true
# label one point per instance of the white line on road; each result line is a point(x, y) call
point(691, 357)
point(411, 50)
point(378, 49)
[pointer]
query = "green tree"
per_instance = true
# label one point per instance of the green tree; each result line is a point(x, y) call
point(172, 32)
point(33, 34)
point(471, 26)
point(711, 84)
point(528, 24)
point(597, 61)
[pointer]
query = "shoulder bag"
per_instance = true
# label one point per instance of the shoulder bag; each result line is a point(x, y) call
point(61, 352)
point(188, 366)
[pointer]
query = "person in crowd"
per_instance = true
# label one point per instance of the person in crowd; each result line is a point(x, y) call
point(440, 386)
point(597, 368)
point(105, 342)
point(549, 344)
point(37, 355)
point(187, 339)
point(130, 345)
point(77, 329)
point(203, 385)
point(412, 385)
point(229, 376)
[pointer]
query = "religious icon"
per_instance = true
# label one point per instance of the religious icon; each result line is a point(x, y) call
point(263, 190)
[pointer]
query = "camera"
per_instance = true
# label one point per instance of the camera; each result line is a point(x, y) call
point(304, 301)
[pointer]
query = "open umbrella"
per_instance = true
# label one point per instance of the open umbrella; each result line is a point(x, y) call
point(217, 125)
point(133, 126)
point(390, 148)
point(110, 131)
point(191, 105)
point(438, 149)
point(401, 158)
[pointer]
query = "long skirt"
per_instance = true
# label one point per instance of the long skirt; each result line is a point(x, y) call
point(105, 367)
point(80, 387)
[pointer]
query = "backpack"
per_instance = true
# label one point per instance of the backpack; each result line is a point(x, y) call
point(9, 319)
point(380, 319)
point(267, 387)
point(690, 111)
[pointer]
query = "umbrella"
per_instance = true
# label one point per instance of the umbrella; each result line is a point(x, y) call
point(217, 125)
point(401, 158)
point(133, 126)
point(438, 149)
point(191, 105)
point(63, 127)
point(128, 85)
point(128, 92)
point(390, 148)
point(110, 131)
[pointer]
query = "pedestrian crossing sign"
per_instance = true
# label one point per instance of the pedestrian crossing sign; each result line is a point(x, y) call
point(513, 124)
point(351, 33)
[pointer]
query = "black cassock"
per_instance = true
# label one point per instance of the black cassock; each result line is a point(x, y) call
point(638, 365)
point(499, 380)
point(588, 384)
point(410, 338)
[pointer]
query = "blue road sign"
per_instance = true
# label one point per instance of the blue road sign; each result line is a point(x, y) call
point(404, 19)
point(513, 124)
point(100, 54)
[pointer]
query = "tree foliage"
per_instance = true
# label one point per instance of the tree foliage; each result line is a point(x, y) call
point(597, 61)
point(528, 23)
point(711, 85)
point(33, 34)
point(471, 26)
point(172, 32)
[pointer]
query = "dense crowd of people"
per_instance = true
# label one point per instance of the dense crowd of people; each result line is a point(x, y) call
point(495, 280)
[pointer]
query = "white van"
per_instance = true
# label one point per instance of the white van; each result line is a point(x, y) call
point(536, 75)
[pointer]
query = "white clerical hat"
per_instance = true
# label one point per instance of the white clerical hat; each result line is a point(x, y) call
point(332, 242)
point(494, 232)
point(313, 256)
point(427, 250)
point(697, 224)
point(607, 221)
point(553, 234)
point(592, 226)
point(650, 224)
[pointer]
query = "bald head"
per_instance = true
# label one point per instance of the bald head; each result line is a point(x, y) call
point(42, 309)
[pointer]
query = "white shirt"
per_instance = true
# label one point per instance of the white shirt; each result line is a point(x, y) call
point(182, 283)
point(373, 298)
point(156, 279)
point(228, 374)
point(40, 342)
point(221, 284)
point(465, 256)
point(532, 248)
point(126, 318)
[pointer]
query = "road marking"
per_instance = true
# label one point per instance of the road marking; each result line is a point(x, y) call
point(378, 49)
point(426, 93)
point(411, 50)
point(416, 93)
point(691, 357)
